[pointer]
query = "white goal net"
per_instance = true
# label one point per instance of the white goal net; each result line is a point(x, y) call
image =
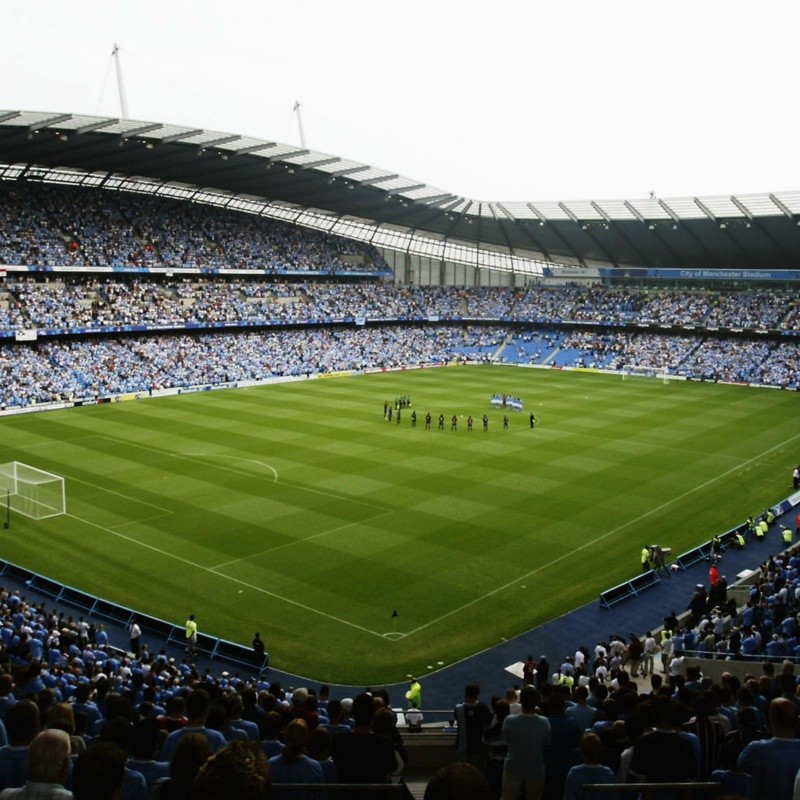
point(31, 492)
point(630, 373)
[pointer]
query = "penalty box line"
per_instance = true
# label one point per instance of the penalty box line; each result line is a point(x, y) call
point(238, 581)
point(299, 541)
point(120, 494)
point(290, 484)
point(603, 536)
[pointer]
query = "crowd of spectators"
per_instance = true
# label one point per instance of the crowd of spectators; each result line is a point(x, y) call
point(46, 225)
point(636, 709)
point(55, 369)
point(628, 709)
point(91, 301)
point(83, 718)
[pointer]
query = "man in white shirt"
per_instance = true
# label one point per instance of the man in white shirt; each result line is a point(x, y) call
point(135, 633)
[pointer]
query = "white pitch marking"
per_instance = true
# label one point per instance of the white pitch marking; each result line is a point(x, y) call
point(290, 484)
point(296, 541)
point(224, 576)
point(142, 521)
point(239, 458)
point(120, 494)
point(600, 538)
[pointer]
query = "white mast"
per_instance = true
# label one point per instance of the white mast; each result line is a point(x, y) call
point(123, 100)
point(300, 124)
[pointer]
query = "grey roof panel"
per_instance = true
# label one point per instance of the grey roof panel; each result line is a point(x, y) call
point(286, 180)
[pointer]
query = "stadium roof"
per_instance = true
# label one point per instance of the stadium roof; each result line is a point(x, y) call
point(726, 232)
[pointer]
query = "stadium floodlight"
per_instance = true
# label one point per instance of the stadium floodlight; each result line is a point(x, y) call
point(31, 492)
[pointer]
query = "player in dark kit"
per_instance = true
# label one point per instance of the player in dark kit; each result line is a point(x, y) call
point(428, 421)
point(485, 422)
point(505, 423)
point(454, 423)
point(413, 419)
point(469, 423)
point(533, 419)
point(441, 422)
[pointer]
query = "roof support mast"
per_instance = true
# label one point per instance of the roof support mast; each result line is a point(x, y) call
point(300, 124)
point(123, 100)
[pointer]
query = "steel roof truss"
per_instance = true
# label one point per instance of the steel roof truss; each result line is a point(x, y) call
point(243, 151)
point(142, 129)
point(96, 126)
point(218, 142)
point(176, 137)
point(781, 206)
point(46, 123)
point(705, 209)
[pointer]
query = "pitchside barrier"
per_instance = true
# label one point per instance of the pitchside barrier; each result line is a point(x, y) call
point(98, 608)
point(635, 586)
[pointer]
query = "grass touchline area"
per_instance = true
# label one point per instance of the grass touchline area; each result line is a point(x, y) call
point(297, 510)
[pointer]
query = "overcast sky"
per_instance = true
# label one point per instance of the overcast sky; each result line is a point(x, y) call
point(489, 100)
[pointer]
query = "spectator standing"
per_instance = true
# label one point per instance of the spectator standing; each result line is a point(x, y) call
point(190, 754)
point(191, 635)
point(590, 771)
point(237, 772)
point(562, 752)
point(458, 782)
point(258, 650)
point(414, 693)
point(526, 734)
point(663, 755)
point(135, 634)
point(361, 756)
point(774, 763)
point(472, 717)
point(197, 707)
point(145, 741)
point(98, 773)
point(48, 769)
point(22, 724)
point(293, 765)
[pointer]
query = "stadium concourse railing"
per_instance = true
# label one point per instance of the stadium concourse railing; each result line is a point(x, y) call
point(96, 607)
point(646, 580)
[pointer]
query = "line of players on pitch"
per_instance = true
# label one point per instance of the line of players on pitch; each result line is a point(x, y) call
point(397, 410)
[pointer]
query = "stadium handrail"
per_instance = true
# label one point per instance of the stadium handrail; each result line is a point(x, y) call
point(635, 586)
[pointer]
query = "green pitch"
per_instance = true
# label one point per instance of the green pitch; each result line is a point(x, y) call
point(296, 510)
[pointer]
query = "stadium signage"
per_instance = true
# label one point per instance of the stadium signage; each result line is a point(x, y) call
point(707, 274)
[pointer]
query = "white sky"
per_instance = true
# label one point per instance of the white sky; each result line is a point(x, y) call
point(490, 100)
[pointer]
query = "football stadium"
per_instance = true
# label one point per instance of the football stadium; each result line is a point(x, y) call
point(274, 419)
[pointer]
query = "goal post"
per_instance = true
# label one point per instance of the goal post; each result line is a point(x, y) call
point(32, 492)
point(639, 373)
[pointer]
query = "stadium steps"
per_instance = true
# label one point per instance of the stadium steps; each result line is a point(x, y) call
point(551, 355)
point(497, 353)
